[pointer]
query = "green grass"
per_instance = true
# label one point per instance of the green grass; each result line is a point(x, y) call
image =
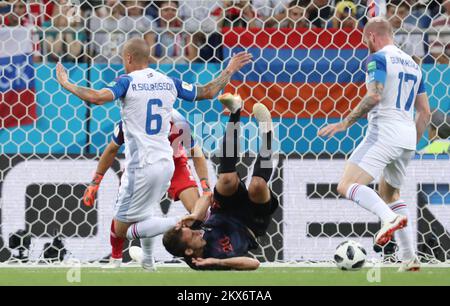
point(183, 276)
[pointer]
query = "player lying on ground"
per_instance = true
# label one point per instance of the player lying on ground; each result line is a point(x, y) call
point(237, 215)
point(147, 99)
point(183, 185)
point(394, 83)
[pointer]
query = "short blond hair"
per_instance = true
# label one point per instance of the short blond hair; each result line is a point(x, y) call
point(379, 26)
point(139, 50)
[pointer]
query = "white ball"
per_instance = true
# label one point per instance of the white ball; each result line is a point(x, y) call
point(350, 256)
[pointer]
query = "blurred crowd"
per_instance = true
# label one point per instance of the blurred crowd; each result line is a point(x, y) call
point(187, 31)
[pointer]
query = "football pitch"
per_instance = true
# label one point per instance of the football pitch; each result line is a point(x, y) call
point(169, 276)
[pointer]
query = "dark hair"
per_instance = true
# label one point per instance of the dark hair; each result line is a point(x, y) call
point(173, 243)
point(301, 3)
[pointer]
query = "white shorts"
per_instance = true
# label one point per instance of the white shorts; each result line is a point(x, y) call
point(141, 190)
point(376, 158)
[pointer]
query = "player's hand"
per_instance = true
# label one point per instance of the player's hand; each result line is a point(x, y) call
point(205, 262)
point(61, 75)
point(90, 194)
point(238, 61)
point(332, 129)
point(186, 221)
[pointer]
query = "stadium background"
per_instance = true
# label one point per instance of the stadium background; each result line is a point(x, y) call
point(49, 140)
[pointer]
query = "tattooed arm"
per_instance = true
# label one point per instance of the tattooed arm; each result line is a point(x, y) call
point(210, 90)
point(372, 98)
point(86, 94)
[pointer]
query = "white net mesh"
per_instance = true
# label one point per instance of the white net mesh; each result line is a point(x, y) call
point(308, 69)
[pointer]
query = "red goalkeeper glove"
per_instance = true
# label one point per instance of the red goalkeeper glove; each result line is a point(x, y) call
point(90, 193)
point(205, 187)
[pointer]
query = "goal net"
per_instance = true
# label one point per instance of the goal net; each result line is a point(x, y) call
point(308, 69)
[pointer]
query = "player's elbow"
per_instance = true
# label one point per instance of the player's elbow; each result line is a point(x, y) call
point(98, 100)
point(100, 97)
point(253, 265)
point(94, 99)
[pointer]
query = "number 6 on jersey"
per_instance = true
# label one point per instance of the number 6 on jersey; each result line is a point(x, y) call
point(153, 123)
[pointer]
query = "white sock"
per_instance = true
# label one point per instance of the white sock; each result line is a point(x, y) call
point(404, 237)
point(147, 249)
point(370, 200)
point(150, 228)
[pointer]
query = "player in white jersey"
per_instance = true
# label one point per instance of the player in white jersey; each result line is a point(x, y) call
point(147, 99)
point(183, 186)
point(395, 89)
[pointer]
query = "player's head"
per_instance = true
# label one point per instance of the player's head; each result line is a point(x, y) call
point(378, 34)
point(135, 54)
point(183, 242)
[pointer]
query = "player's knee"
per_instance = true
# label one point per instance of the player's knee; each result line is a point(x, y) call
point(257, 187)
point(228, 180)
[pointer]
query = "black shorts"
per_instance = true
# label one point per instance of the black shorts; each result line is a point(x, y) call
point(255, 216)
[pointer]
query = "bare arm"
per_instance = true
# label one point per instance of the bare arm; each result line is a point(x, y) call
point(107, 158)
point(199, 213)
point(201, 207)
point(372, 98)
point(423, 114)
point(210, 90)
point(86, 94)
point(201, 167)
point(235, 263)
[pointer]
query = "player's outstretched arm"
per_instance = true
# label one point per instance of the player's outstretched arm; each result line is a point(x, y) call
point(210, 90)
point(235, 263)
point(201, 168)
point(86, 94)
point(105, 162)
point(372, 98)
point(423, 114)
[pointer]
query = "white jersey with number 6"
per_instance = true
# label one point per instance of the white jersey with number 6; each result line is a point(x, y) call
point(147, 99)
point(392, 120)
